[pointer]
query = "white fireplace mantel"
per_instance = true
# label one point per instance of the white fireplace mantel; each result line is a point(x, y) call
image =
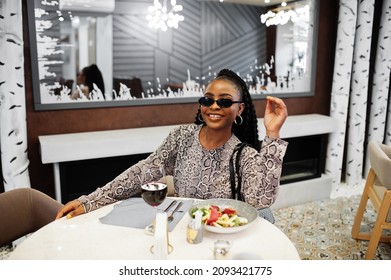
point(120, 142)
point(112, 143)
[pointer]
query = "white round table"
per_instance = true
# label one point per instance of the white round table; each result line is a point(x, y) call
point(85, 237)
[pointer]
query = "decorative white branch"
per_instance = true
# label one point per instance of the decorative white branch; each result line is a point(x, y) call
point(13, 131)
point(358, 93)
point(341, 87)
point(381, 84)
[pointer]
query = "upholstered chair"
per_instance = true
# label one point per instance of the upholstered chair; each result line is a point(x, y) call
point(378, 191)
point(23, 211)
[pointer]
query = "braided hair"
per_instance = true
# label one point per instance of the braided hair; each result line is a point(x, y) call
point(248, 131)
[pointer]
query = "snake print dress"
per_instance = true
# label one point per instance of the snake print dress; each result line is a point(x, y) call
point(198, 172)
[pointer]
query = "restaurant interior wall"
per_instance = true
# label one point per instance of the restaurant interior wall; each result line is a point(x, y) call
point(192, 44)
point(80, 120)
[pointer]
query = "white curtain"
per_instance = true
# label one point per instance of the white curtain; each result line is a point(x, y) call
point(13, 130)
point(350, 91)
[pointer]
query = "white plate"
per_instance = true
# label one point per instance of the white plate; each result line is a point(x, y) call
point(243, 209)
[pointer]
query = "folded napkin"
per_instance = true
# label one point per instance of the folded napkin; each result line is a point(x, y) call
point(135, 212)
point(160, 250)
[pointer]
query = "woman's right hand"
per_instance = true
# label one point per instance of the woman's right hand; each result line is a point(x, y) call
point(71, 209)
point(275, 116)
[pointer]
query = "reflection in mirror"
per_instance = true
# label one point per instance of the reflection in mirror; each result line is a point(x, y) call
point(293, 47)
point(67, 43)
point(143, 65)
point(77, 47)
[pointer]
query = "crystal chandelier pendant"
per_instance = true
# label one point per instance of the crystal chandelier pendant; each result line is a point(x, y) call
point(160, 17)
point(281, 17)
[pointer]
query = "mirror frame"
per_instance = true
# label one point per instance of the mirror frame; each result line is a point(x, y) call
point(39, 106)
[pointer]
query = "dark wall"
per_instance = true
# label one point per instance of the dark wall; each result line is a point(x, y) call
point(69, 121)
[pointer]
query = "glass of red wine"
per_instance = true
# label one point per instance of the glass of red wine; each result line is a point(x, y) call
point(153, 191)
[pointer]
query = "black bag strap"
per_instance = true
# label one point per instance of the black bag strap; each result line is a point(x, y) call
point(236, 191)
point(266, 212)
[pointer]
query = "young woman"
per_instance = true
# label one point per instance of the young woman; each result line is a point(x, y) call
point(197, 155)
point(86, 79)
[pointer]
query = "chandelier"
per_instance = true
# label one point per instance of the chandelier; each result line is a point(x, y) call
point(160, 17)
point(283, 16)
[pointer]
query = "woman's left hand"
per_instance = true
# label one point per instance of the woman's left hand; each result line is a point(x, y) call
point(275, 116)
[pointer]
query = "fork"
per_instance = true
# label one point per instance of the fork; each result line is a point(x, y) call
point(171, 217)
point(151, 228)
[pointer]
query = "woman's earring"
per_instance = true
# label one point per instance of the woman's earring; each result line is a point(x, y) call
point(240, 122)
point(199, 117)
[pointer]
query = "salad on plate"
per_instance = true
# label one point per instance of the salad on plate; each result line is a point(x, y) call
point(213, 215)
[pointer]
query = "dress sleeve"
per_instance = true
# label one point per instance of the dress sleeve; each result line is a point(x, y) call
point(128, 183)
point(261, 172)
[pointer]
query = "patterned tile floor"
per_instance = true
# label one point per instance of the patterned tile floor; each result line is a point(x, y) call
point(4, 252)
point(320, 230)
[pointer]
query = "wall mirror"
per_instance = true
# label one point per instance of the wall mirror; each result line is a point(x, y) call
point(142, 63)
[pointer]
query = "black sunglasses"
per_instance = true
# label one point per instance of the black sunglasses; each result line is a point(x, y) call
point(221, 102)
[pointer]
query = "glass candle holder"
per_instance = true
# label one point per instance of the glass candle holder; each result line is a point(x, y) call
point(221, 249)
